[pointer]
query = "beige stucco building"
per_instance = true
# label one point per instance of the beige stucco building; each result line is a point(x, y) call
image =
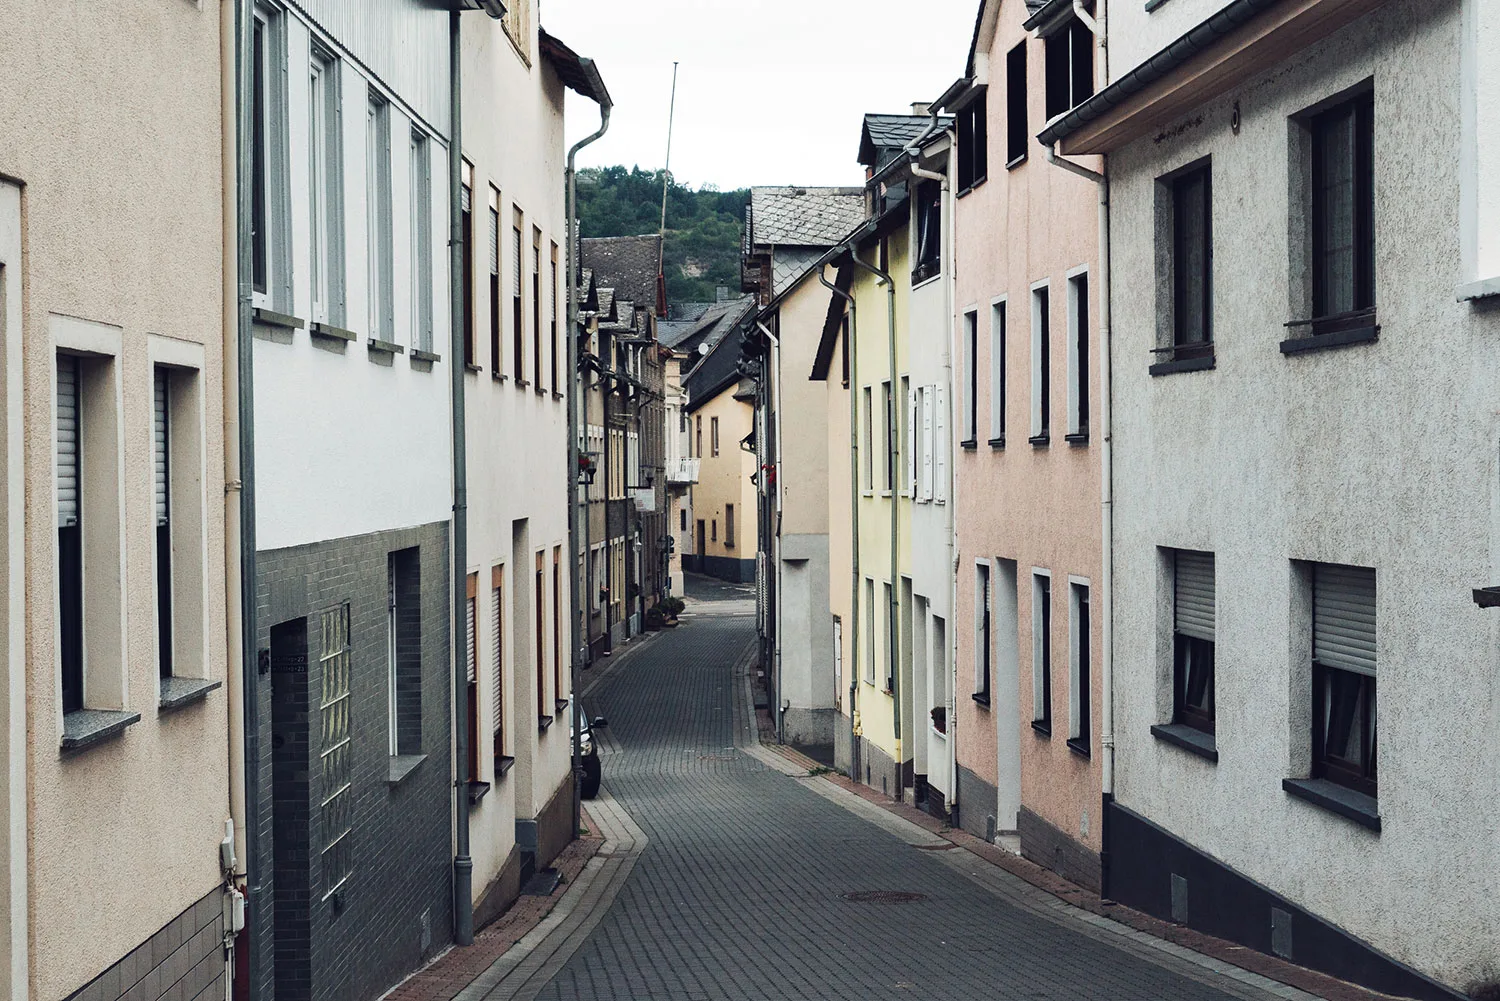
point(115, 781)
point(1027, 469)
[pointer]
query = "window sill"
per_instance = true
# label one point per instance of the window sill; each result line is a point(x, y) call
point(522, 383)
point(562, 704)
point(543, 723)
point(429, 356)
point(1040, 440)
point(559, 396)
point(1481, 289)
point(377, 346)
point(177, 693)
point(83, 728)
point(503, 764)
point(978, 182)
point(402, 765)
point(332, 333)
point(477, 791)
point(1042, 727)
point(920, 278)
point(1335, 339)
point(981, 698)
point(1078, 747)
point(1013, 164)
point(541, 390)
point(1081, 438)
point(1356, 806)
point(473, 369)
point(1193, 741)
point(997, 442)
point(1153, 4)
point(271, 318)
point(1487, 597)
point(1201, 364)
point(969, 444)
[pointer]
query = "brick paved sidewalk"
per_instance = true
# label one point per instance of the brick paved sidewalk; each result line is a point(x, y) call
point(451, 972)
point(1311, 981)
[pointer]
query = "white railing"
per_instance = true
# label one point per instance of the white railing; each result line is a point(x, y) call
point(682, 470)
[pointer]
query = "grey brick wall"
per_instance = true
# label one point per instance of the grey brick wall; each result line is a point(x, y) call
point(184, 961)
point(394, 910)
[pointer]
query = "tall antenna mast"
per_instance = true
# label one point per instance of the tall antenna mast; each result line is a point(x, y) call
point(666, 183)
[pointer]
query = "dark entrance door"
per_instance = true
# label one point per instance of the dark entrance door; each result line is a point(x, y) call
point(702, 547)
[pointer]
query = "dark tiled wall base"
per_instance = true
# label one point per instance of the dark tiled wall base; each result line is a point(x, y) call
point(182, 962)
point(1213, 898)
point(976, 804)
point(1046, 845)
point(395, 909)
point(723, 567)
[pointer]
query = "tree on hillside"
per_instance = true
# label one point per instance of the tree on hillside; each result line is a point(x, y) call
point(703, 225)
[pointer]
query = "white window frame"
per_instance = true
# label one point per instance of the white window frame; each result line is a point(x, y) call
point(277, 294)
point(1075, 656)
point(970, 396)
point(942, 444)
point(870, 631)
point(101, 493)
point(380, 242)
point(325, 185)
point(906, 468)
point(1076, 426)
point(420, 184)
point(887, 429)
point(925, 402)
point(1038, 574)
point(998, 321)
point(868, 439)
point(1041, 424)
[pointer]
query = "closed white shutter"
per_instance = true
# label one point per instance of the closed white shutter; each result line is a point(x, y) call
point(466, 198)
point(159, 444)
point(1344, 618)
point(498, 629)
point(473, 672)
point(926, 443)
point(494, 242)
point(940, 446)
point(67, 441)
point(1195, 595)
point(911, 441)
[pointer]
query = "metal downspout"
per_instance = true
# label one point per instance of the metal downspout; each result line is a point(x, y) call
point(244, 403)
point(234, 652)
point(578, 398)
point(851, 663)
point(893, 456)
point(463, 865)
point(774, 531)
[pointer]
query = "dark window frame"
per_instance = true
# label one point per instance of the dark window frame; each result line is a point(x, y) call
point(928, 205)
point(1083, 742)
point(973, 153)
point(1069, 55)
point(1358, 114)
point(1193, 661)
point(1078, 290)
point(1184, 342)
point(517, 307)
point(466, 235)
point(984, 656)
point(971, 379)
point(1018, 138)
point(1043, 619)
point(1357, 696)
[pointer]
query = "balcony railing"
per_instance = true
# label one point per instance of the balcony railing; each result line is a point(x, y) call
point(682, 470)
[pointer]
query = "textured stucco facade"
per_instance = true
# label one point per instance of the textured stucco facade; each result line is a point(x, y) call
point(724, 480)
point(517, 451)
point(1028, 511)
point(1378, 455)
point(110, 250)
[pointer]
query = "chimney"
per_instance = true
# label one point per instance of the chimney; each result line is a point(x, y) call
point(722, 293)
point(923, 108)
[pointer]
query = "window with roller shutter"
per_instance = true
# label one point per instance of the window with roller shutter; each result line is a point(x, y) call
point(1193, 639)
point(1344, 722)
point(497, 665)
point(161, 463)
point(69, 452)
point(517, 331)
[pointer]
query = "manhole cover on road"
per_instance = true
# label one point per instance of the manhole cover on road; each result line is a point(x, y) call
point(882, 897)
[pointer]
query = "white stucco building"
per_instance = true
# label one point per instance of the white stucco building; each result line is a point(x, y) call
point(1304, 478)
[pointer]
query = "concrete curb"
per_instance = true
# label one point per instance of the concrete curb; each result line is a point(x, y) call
point(522, 973)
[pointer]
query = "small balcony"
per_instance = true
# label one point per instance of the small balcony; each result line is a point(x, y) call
point(682, 471)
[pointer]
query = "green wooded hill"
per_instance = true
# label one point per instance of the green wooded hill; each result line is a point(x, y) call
point(703, 225)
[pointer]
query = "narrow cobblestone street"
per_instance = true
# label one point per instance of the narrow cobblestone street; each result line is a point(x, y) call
point(738, 892)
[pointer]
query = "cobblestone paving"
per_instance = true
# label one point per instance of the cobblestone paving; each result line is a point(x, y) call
point(738, 893)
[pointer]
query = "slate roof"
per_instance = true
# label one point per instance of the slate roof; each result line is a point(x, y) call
point(627, 264)
point(883, 137)
point(804, 217)
point(707, 329)
point(720, 368)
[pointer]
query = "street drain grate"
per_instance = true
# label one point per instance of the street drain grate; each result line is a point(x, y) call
point(945, 847)
point(882, 897)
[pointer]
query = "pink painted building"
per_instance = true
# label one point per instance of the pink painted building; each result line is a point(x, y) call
point(1027, 466)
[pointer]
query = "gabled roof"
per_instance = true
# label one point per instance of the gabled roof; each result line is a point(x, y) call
point(720, 369)
point(883, 137)
point(803, 217)
point(712, 326)
point(627, 264)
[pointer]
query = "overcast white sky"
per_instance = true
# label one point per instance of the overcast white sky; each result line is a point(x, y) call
point(768, 91)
